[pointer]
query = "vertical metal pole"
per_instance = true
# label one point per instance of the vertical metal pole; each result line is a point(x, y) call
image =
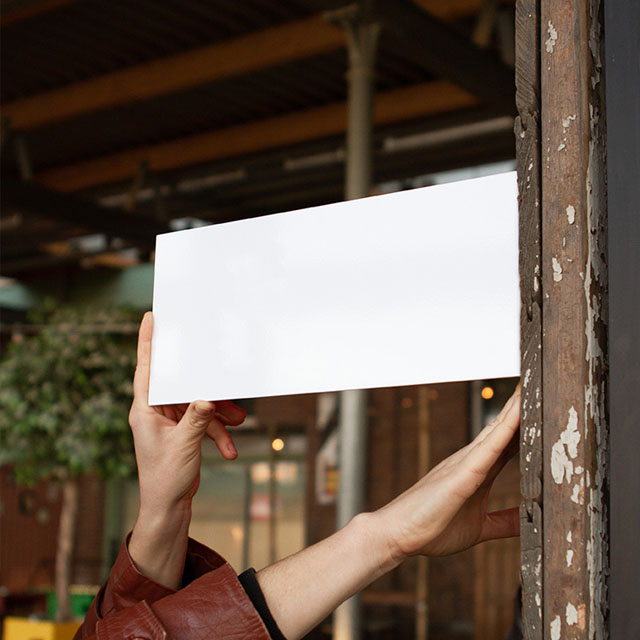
point(272, 499)
point(246, 516)
point(362, 39)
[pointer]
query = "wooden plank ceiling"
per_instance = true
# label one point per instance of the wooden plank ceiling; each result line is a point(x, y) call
point(145, 111)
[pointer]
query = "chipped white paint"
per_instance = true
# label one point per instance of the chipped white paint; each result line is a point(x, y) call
point(556, 626)
point(571, 214)
point(565, 449)
point(562, 146)
point(571, 614)
point(557, 269)
point(567, 121)
point(569, 557)
point(569, 536)
point(577, 495)
point(571, 436)
point(527, 377)
point(550, 42)
point(560, 463)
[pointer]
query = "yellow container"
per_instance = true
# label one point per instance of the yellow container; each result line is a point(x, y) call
point(25, 629)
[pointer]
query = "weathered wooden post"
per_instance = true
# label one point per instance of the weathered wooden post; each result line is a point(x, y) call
point(560, 133)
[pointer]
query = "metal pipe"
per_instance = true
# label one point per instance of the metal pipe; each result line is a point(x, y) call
point(362, 39)
point(246, 517)
point(273, 487)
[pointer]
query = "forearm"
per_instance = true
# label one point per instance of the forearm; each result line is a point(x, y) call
point(305, 588)
point(158, 544)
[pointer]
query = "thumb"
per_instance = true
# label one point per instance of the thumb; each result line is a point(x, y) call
point(198, 416)
point(501, 524)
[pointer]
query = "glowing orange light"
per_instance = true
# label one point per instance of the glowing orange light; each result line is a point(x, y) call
point(487, 393)
point(277, 444)
point(407, 403)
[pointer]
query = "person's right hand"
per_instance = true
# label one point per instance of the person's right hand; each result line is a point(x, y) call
point(446, 511)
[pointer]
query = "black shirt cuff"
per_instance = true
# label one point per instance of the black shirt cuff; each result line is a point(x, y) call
point(250, 584)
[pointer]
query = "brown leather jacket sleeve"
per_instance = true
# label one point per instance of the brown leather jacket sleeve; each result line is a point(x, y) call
point(210, 604)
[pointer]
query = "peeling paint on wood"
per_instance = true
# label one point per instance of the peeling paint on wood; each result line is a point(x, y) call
point(550, 43)
point(557, 269)
point(574, 315)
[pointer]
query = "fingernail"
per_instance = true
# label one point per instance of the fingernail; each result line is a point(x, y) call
point(203, 408)
point(232, 450)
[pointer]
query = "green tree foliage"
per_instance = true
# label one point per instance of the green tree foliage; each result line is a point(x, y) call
point(65, 393)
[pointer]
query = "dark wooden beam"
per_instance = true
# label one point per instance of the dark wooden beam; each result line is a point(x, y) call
point(259, 50)
point(527, 130)
point(22, 242)
point(447, 53)
point(45, 262)
point(36, 200)
point(27, 10)
point(391, 106)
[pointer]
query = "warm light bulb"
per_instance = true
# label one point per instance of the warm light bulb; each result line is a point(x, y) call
point(277, 444)
point(487, 393)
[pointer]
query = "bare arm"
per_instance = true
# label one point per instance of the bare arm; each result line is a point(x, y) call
point(445, 512)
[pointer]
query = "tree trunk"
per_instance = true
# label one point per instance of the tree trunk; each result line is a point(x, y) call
point(66, 531)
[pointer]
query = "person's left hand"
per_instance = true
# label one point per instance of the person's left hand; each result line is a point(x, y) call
point(168, 441)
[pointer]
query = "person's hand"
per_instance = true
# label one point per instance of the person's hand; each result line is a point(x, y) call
point(446, 511)
point(168, 438)
point(168, 442)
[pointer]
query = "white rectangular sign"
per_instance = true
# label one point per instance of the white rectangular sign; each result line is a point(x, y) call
point(413, 287)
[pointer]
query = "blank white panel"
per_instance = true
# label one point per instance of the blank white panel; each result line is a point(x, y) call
point(412, 287)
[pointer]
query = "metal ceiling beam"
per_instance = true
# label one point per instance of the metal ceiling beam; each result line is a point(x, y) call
point(448, 54)
point(392, 106)
point(37, 200)
point(323, 184)
point(259, 50)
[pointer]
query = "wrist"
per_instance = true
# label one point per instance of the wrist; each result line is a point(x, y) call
point(371, 528)
point(158, 544)
point(162, 520)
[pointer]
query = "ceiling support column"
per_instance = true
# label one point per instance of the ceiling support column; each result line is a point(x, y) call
point(362, 36)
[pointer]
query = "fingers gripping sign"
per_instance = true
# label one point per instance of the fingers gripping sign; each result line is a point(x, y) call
point(168, 438)
point(446, 511)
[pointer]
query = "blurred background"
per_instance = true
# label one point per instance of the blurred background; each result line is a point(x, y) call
point(122, 119)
